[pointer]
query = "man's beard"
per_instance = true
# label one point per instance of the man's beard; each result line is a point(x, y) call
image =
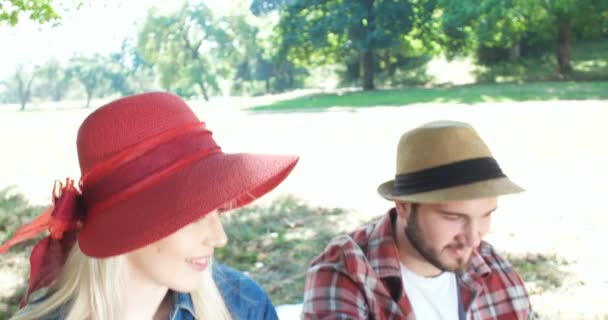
point(413, 234)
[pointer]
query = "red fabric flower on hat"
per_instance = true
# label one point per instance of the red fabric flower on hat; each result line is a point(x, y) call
point(62, 219)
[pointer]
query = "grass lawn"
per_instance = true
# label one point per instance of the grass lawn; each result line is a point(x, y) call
point(273, 244)
point(469, 94)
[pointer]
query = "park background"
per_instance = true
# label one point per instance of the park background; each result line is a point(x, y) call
point(336, 82)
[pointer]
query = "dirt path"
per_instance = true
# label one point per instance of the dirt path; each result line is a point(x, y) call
point(557, 150)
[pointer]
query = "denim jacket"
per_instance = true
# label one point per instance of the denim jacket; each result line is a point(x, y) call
point(243, 297)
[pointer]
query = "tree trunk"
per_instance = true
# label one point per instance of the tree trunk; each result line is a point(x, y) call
point(368, 50)
point(291, 70)
point(267, 80)
point(23, 96)
point(193, 48)
point(201, 84)
point(515, 51)
point(368, 69)
point(563, 48)
point(25, 90)
point(57, 95)
point(89, 96)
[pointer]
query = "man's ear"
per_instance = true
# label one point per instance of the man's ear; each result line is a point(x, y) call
point(403, 210)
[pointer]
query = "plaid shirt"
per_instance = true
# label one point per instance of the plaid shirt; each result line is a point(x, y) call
point(359, 277)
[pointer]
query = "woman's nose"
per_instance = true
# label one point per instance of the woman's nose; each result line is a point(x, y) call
point(216, 236)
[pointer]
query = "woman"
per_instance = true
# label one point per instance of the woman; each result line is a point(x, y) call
point(135, 238)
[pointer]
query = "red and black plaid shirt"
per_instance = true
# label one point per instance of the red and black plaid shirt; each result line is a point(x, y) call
point(359, 277)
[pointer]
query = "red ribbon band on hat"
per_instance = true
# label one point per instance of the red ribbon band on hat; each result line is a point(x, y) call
point(126, 174)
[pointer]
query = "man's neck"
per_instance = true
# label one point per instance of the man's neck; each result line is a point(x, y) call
point(409, 256)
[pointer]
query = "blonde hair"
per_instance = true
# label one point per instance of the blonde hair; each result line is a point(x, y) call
point(87, 288)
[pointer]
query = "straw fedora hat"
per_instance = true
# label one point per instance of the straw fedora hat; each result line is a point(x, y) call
point(445, 161)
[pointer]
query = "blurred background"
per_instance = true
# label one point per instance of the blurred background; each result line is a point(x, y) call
point(336, 82)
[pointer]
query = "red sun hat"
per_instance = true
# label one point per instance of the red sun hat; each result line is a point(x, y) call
point(149, 167)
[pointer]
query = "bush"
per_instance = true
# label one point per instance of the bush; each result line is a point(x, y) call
point(15, 210)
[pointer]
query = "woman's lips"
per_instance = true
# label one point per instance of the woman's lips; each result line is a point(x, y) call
point(200, 263)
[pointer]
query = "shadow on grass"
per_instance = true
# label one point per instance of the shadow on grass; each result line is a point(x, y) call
point(540, 272)
point(468, 94)
point(275, 244)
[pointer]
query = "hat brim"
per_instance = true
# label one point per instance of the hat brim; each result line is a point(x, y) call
point(471, 191)
point(182, 198)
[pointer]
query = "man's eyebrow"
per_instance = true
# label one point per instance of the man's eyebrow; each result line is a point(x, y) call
point(460, 214)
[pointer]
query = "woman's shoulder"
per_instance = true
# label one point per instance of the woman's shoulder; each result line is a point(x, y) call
point(236, 284)
point(242, 294)
point(35, 299)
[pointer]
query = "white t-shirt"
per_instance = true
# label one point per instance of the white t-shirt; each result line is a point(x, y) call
point(432, 298)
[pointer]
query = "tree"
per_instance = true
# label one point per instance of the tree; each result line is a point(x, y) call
point(469, 25)
point(54, 80)
point(22, 84)
point(92, 73)
point(129, 71)
point(322, 32)
point(253, 62)
point(187, 48)
point(565, 16)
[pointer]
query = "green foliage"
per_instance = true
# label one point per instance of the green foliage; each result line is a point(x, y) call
point(470, 24)
point(40, 11)
point(541, 272)
point(276, 243)
point(15, 210)
point(261, 7)
point(330, 29)
point(53, 81)
point(499, 30)
point(392, 68)
point(588, 60)
point(252, 65)
point(128, 72)
point(517, 71)
point(189, 48)
point(371, 42)
point(586, 16)
point(92, 73)
point(330, 32)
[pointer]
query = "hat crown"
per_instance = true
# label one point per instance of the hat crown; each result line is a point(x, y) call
point(125, 122)
point(438, 143)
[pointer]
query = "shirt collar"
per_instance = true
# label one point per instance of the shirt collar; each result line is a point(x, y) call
point(181, 303)
point(478, 268)
point(382, 250)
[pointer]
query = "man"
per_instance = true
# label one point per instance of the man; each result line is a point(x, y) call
point(425, 259)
